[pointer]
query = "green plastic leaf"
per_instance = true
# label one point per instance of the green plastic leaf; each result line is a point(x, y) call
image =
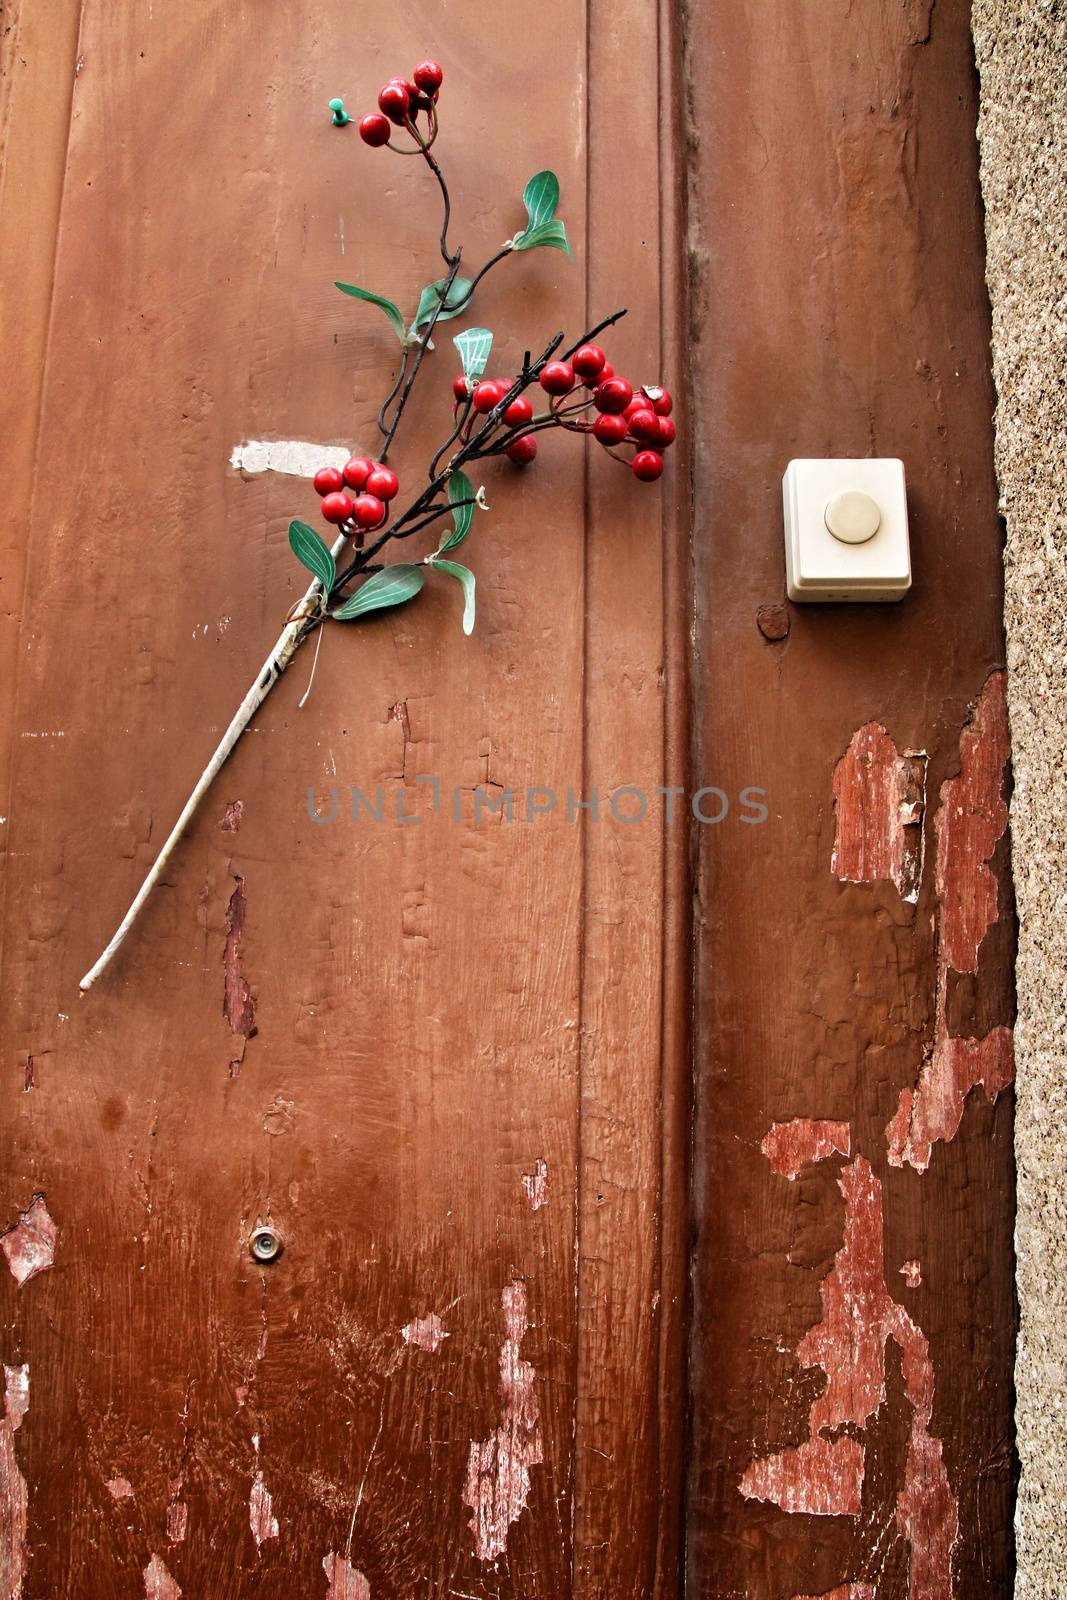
point(389, 588)
point(466, 578)
point(549, 233)
point(312, 552)
point(392, 312)
point(541, 197)
point(455, 301)
point(474, 345)
point(459, 488)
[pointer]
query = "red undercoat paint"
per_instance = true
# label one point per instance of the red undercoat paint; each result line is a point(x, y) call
point(790, 1146)
point(878, 800)
point(859, 1316)
point(30, 1246)
point(13, 1497)
point(158, 1583)
point(345, 1582)
point(971, 820)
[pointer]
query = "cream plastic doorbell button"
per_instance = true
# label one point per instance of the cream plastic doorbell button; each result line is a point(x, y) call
point(852, 517)
point(846, 530)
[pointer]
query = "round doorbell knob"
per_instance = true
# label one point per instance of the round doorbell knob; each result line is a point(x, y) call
point(853, 517)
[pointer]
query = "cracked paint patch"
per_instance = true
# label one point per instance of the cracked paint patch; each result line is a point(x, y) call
point(231, 817)
point(158, 1583)
point(261, 1519)
point(859, 1317)
point(879, 801)
point(821, 1478)
point(844, 1591)
point(498, 1470)
point(177, 1520)
point(238, 1001)
point(425, 1333)
point(790, 1146)
point(119, 1488)
point(912, 1273)
point(972, 818)
point(14, 1501)
point(30, 1246)
point(535, 1185)
point(344, 1580)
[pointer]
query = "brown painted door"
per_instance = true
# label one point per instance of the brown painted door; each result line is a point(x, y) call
point(450, 1060)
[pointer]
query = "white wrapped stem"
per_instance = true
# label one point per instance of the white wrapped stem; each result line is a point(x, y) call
point(284, 650)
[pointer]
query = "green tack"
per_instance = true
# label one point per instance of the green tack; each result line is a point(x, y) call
point(340, 115)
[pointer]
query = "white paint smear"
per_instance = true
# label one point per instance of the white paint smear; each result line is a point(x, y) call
point(296, 457)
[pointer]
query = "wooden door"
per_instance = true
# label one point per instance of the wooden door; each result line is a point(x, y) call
point(449, 1059)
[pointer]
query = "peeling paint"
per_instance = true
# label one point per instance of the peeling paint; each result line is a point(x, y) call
point(535, 1185)
point(119, 1488)
point(238, 1002)
point(879, 801)
point(13, 1496)
point(972, 818)
point(497, 1487)
point(344, 1580)
point(261, 1520)
point(844, 1591)
point(177, 1521)
point(158, 1583)
point(231, 817)
point(426, 1333)
point(859, 1317)
point(821, 1478)
point(789, 1146)
point(912, 1274)
point(297, 458)
point(30, 1245)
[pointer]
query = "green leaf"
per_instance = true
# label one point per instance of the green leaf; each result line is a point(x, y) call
point(459, 488)
point(312, 552)
point(474, 345)
point(392, 312)
point(389, 588)
point(541, 197)
point(455, 301)
point(550, 233)
point(466, 578)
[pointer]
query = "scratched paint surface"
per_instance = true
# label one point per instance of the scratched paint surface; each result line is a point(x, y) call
point(403, 1045)
point(853, 1317)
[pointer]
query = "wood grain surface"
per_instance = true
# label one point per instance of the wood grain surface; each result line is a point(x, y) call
point(440, 1057)
point(853, 1310)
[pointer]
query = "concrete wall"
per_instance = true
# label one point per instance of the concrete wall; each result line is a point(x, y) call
point(1022, 56)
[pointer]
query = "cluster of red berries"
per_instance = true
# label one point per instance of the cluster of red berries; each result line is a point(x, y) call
point(373, 485)
point(485, 397)
point(641, 417)
point(400, 101)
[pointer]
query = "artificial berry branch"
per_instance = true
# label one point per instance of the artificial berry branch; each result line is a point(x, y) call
point(492, 417)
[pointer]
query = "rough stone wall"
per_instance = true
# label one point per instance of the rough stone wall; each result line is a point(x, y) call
point(1022, 56)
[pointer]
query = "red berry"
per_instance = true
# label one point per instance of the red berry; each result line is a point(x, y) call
point(558, 378)
point(610, 430)
point(662, 404)
point(328, 480)
point(614, 395)
point(647, 465)
point(357, 470)
point(486, 395)
point(589, 361)
point(666, 432)
point(369, 511)
point(644, 423)
point(607, 371)
point(428, 77)
point(459, 387)
point(374, 130)
point(382, 482)
point(520, 410)
point(523, 449)
point(395, 101)
point(337, 507)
